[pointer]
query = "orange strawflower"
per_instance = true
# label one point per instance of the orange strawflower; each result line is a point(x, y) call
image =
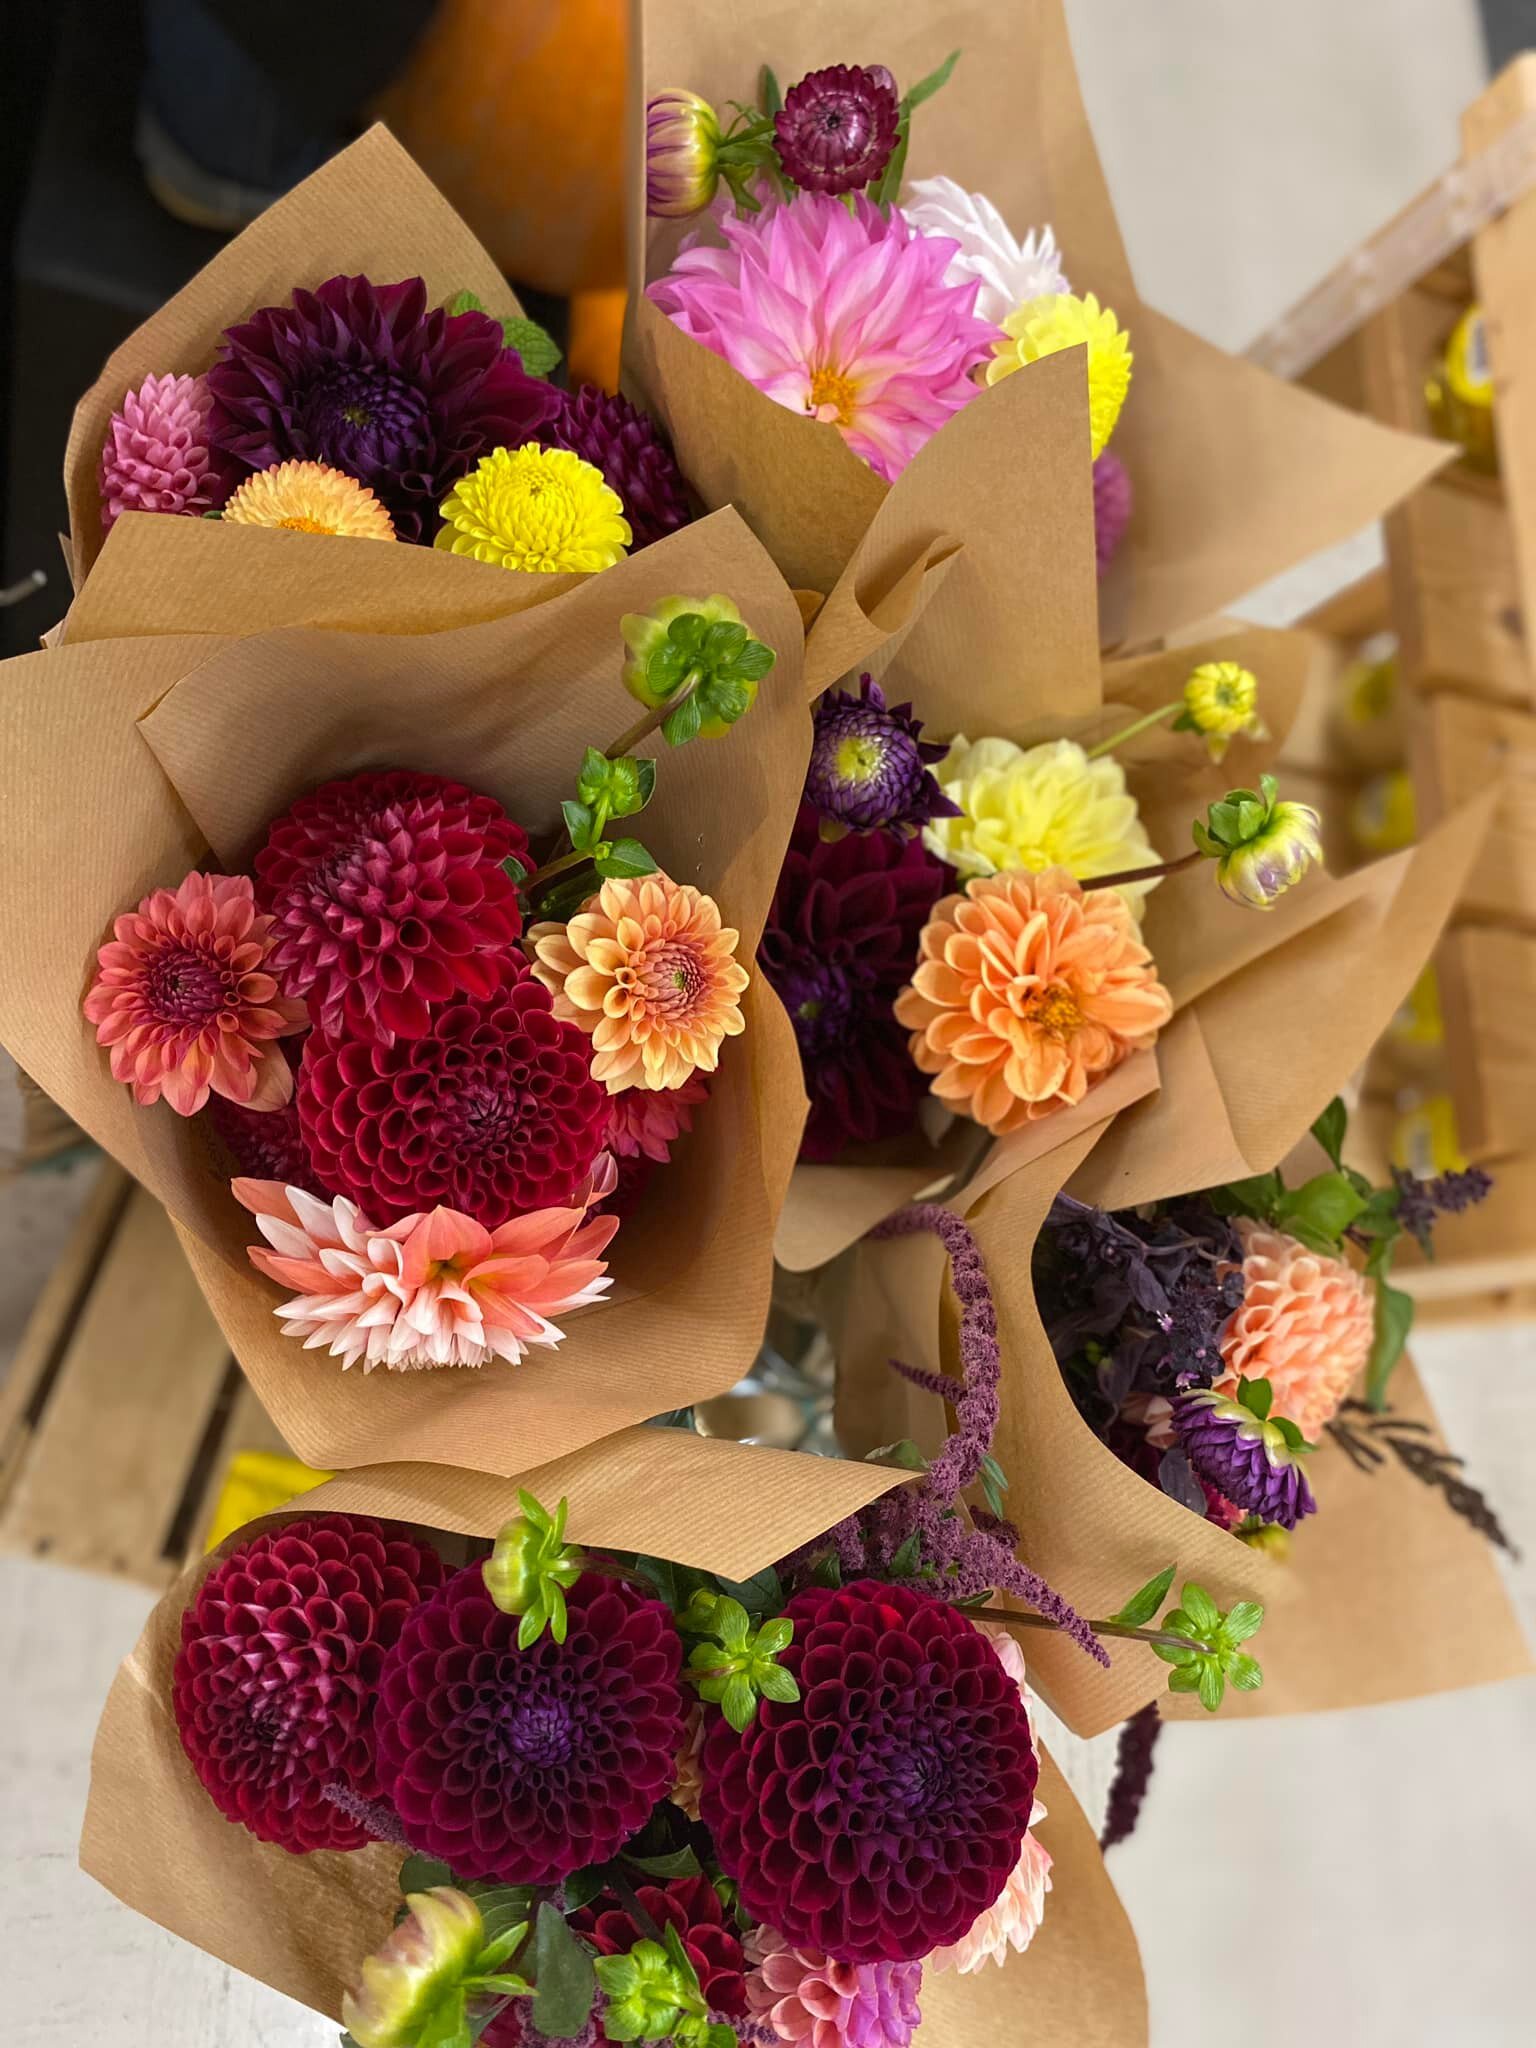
point(647, 971)
point(1305, 1326)
point(1028, 988)
point(310, 497)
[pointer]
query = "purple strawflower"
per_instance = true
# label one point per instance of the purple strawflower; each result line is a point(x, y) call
point(838, 127)
point(869, 765)
point(1247, 1460)
point(1419, 1202)
point(368, 378)
point(1111, 507)
point(604, 429)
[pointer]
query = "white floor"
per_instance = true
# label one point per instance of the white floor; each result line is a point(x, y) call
point(1349, 1881)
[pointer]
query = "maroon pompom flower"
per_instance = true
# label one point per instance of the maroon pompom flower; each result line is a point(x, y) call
point(692, 1906)
point(837, 128)
point(603, 428)
point(523, 1765)
point(839, 944)
point(278, 1671)
point(493, 1111)
point(368, 378)
point(267, 1144)
point(388, 894)
point(878, 1815)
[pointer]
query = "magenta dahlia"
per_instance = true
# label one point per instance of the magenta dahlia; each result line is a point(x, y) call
point(388, 894)
point(493, 1111)
point(1111, 507)
point(880, 1813)
point(603, 428)
point(692, 1906)
point(523, 1765)
point(837, 128)
point(278, 1671)
point(369, 379)
point(157, 456)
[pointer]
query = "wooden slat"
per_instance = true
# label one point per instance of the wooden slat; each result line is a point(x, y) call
point(248, 1427)
point(1488, 999)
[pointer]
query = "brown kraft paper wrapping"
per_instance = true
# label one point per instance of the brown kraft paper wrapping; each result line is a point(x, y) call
point(303, 1923)
point(1236, 474)
point(127, 759)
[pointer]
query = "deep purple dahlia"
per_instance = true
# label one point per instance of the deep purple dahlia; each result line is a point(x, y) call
point(523, 1765)
point(1246, 1460)
point(876, 1816)
point(837, 128)
point(370, 379)
point(603, 428)
point(869, 765)
point(839, 944)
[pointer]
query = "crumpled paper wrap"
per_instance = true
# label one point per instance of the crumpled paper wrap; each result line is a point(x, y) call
point(303, 1923)
point(127, 759)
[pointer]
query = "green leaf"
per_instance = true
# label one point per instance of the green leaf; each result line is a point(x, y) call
point(903, 1452)
point(447, 2025)
point(994, 1484)
point(753, 662)
point(559, 1620)
point(537, 347)
point(534, 1621)
point(828, 1571)
point(761, 1594)
point(662, 1574)
point(774, 1636)
point(464, 302)
point(1172, 1654)
point(1320, 1210)
point(680, 1863)
point(420, 1873)
point(775, 1683)
point(645, 770)
point(925, 88)
point(738, 1702)
point(505, 1945)
point(1257, 1396)
point(502, 1906)
point(579, 822)
point(1256, 1197)
point(618, 1975)
point(514, 870)
point(731, 1623)
point(1200, 1610)
point(582, 1886)
point(1393, 1321)
point(618, 858)
point(1290, 1431)
point(1378, 1260)
point(562, 1975)
point(1185, 1679)
point(592, 777)
point(1243, 1620)
point(769, 97)
point(1330, 1128)
point(1243, 1672)
point(1142, 1605)
point(1212, 1686)
point(906, 1561)
point(682, 723)
point(505, 1983)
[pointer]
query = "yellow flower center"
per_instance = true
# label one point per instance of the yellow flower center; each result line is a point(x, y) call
point(299, 524)
point(859, 758)
point(833, 396)
point(1053, 1011)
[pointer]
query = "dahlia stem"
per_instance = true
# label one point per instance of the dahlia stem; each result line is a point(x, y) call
point(1163, 867)
point(644, 727)
point(630, 1899)
point(554, 867)
point(1139, 725)
point(1100, 1628)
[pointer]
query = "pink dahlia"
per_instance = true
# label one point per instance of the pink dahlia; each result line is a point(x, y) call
point(184, 999)
point(157, 456)
point(841, 315)
point(645, 1123)
point(807, 1996)
point(430, 1290)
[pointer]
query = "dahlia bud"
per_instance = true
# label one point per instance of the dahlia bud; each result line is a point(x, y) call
point(529, 1569)
point(1221, 701)
point(697, 655)
point(1209, 1655)
point(423, 1963)
point(653, 1994)
point(1260, 846)
point(1266, 1537)
point(682, 153)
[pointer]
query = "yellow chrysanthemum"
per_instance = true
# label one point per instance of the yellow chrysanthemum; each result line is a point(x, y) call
point(1036, 808)
point(310, 497)
point(1221, 700)
point(536, 508)
point(1062, 320)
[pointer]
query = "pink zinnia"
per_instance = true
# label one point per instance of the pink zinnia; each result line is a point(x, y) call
point(183, 998)
point(157, 456)
point(434, 1289)
point(808, 1997)
point(645, 1123)
point(841, 315)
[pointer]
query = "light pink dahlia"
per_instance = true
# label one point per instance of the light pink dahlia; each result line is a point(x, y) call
point(434, 1289)
point(156, 457)
point(183, 1000)
point(645, 1123)
point(843, 315)
point(1306, 1326)
point(806, 1996)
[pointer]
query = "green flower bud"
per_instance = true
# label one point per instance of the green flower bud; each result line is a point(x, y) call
point(1211, 1656)
point(529, 1569)
point(736, 1665)
point(1260, 846)
point(696, 654)
point(421, 1966)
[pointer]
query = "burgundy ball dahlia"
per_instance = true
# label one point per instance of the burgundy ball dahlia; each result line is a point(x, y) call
point(692, 1906)
point(869, 763)
point(388, 894)
point(839, 944)
point(878, 1815)
point(604, 429)
point(1245, 1459)
point(837, 128)
point(492, 1111)
point(368, 378)
point(278, 1671)
point(523, 1765)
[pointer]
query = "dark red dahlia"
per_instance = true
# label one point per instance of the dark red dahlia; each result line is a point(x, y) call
point(837, 128)
point(389, 895)
point(692, 1906)
point(369, 379)
point(839, 944)
point(278, 1672)
point(492, 1111)
point(878, 1815)
point(604, 429)
point(267, 1144)
point(523, 1765)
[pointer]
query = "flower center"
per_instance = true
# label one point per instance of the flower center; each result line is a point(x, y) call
point(673, 980)
point(299, 524)
point(182, 987)
point(859, 758)
point(361, 419)
point(539, 1730)
point(833, 396)
point(820, 1006)
point(1053, 1011)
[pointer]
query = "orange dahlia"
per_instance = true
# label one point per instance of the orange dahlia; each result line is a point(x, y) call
point(183, 999)
point(310, 497)
point(647, 971)
point(1305, 1326)
point(1028, 988)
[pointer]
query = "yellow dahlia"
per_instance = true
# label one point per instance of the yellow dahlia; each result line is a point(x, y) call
point(1221, 701)
point(535, 508)
point(1060, 321)
point(647, 971)
point(1039, 807)
point(310, 497)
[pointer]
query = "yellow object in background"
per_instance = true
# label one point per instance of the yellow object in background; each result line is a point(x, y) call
point(1459, 393)
point(1383, 816)
point(259, 1483)
point(1417, 1019)
point(1424, 1141)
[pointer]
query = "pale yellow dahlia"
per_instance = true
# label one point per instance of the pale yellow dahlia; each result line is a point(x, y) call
point(1061, 321)
point(535, 508)
point(1036, 808)
point(309, 497)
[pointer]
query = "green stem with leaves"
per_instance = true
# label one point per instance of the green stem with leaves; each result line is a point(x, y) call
point(1100, 1628)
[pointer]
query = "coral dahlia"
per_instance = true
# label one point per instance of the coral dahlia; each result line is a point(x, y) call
point(1305, 1325)
point(524, 1765)
point(307, 497)
point(692, 1906)
point(647, 971)
point(278, 1672)
point(811, 1998)
point(388, 894)
point(157, 456)
point(1028, 990)
point(186, 1000)
point(843, 316)
point(629, 451)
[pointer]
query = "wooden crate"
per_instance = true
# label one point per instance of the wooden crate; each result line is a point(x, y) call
point(123, 1408)
point(1456, 593)
point(1461, 748)
point(1488, 995)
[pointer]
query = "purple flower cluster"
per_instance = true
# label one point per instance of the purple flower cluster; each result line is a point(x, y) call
point(1421, 1202)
